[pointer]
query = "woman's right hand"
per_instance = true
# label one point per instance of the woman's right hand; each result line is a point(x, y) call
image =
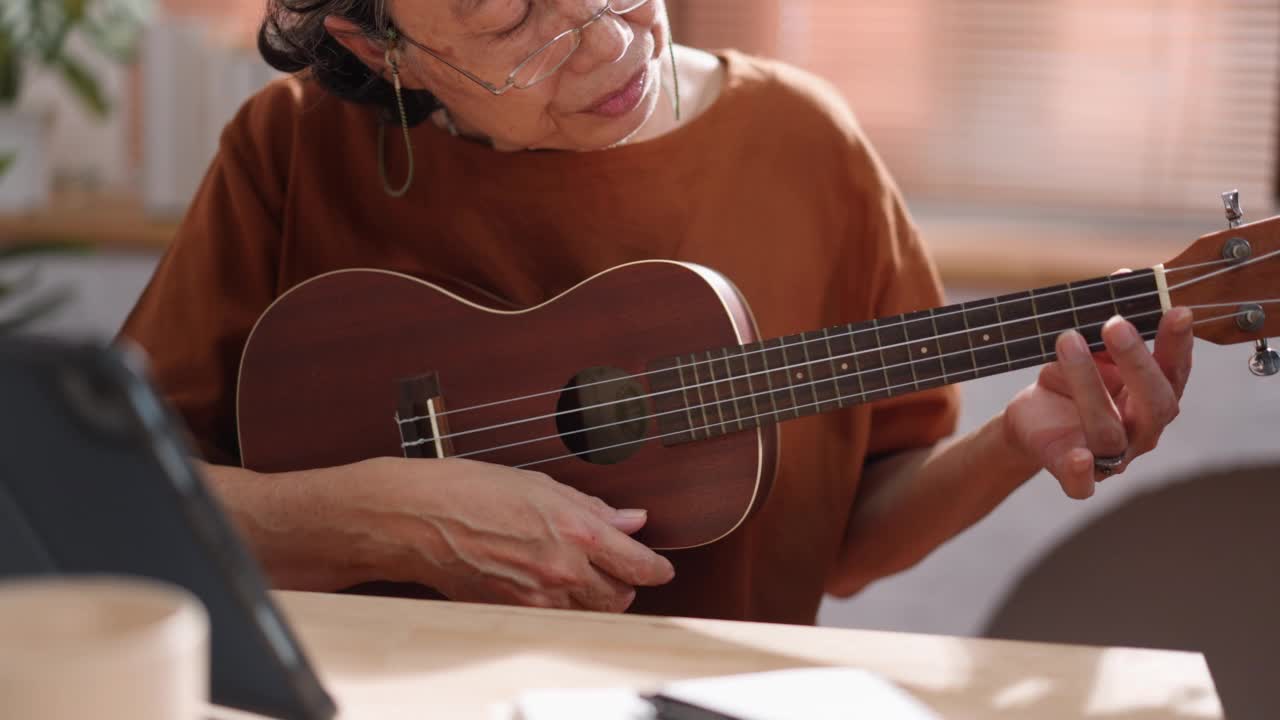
point(474, 531)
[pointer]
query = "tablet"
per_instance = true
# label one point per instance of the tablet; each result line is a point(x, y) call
point(96, 477)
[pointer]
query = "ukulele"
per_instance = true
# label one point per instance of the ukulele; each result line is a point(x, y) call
point(648, 386)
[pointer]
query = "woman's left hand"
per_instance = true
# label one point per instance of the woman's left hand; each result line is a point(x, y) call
point(1114, 404)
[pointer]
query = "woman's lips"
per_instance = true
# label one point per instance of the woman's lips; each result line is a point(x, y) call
point(625, 99)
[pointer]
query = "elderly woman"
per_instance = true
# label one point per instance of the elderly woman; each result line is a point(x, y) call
point(513, 148)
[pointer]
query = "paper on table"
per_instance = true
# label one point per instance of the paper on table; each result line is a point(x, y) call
point(801, 694)
point(592, 704)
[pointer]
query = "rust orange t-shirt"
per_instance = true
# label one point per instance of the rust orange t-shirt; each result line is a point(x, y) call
point(774, 186)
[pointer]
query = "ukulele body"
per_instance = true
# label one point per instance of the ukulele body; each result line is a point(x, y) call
point(328, 374)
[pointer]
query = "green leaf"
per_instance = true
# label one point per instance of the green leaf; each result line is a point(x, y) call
point(47, 25)
point(84, 84)
point(117, 40)
point(114, 27)
point(37, 31)
point(10, 79)
point(61, 19)
point(10, 68)
point(6, 159)
point(74, 9)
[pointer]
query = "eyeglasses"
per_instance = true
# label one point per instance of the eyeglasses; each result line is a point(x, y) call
point(546, 60)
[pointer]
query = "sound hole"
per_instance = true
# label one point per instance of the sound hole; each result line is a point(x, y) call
point(601, 416)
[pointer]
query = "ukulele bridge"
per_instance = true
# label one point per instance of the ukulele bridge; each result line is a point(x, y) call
point(422, 419)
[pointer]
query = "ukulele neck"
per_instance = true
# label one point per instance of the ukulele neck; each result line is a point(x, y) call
point(710, 393)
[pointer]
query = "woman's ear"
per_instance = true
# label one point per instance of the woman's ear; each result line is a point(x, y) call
point(370, 52)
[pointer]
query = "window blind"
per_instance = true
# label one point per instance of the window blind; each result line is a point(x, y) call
point(1133, 105)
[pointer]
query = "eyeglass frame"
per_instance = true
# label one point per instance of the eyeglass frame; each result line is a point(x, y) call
point(511, 82)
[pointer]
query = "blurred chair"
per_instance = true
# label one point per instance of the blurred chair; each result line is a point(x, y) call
point(1194, 565)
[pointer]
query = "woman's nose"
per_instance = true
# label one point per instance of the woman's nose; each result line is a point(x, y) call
point(604, 41)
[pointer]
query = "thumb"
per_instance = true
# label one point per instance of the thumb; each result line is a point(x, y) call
point(1074, 470)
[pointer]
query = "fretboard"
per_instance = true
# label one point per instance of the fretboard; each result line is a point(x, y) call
point(721, 390)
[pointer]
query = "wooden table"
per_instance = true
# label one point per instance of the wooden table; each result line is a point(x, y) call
point(387, 659)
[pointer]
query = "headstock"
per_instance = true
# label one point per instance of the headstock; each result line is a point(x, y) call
point(1231, 280)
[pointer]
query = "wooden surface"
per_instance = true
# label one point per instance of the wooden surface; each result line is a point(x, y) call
point(115, 222)
point(389, 658)
point(975, 251)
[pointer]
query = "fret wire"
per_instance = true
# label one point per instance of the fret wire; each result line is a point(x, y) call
point(955, 342)
point(746, 368)
point(791, 386)
point(1075, 316)
point(857, 369)
point(937, 340)
point(733, 390)
point(804, 347)
point(702, 404)
point(1004, 339)
point(911, 363)
point(831, 360)
point(1035, 314)
point(1089, 312)
point(720, 410)
point(773, 398)
point(884, 364)
point(715, 390)
point(688, 407)
point(973, 354)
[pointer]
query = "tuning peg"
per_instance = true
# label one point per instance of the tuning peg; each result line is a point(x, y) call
point(1231, 204)
point(1265, 361)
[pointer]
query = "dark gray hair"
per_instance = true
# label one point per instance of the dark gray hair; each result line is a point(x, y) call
point(293, 39)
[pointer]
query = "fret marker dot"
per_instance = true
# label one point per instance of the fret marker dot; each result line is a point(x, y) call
point(924, 351)
point(986, 338)
point(844, 366)
point(799, 376)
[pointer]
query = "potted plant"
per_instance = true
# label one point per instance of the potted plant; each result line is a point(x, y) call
point(34, 34)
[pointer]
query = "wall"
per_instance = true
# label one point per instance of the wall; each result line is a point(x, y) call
point(106, 153)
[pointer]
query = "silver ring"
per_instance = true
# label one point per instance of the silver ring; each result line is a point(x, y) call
point(1108, 465)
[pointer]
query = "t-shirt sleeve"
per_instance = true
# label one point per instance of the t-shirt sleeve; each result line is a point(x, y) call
point(216, 277)
point(905, 279)
point(889, 271)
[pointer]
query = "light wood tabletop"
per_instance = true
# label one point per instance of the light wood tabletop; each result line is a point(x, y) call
point(388, 658)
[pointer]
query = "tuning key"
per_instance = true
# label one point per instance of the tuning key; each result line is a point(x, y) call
point(1231, 204)
point(1265, 361)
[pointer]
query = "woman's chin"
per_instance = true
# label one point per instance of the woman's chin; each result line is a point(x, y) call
point(613, 132)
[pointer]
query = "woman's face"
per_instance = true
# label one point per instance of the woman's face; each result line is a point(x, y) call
point(605, 93)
